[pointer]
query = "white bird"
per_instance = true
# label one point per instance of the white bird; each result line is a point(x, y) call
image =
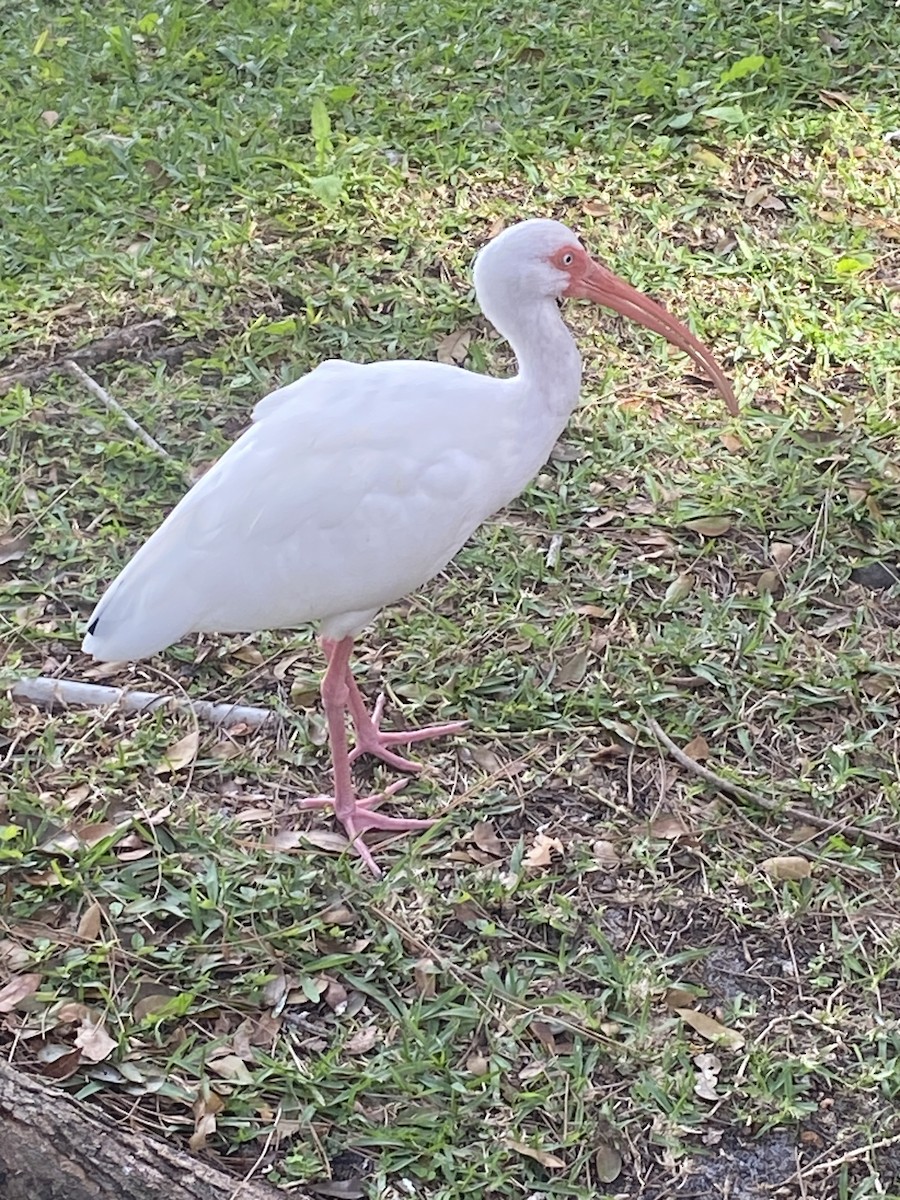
point(358, 483)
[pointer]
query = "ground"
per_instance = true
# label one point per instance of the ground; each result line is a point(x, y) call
point(601, 975)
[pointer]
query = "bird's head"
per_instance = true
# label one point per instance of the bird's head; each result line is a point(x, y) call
point(544, 258)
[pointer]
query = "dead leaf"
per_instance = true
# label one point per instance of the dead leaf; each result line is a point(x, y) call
point(781, 553)
point(89, 925)
point(49, 117)
point(231, 1067)
point(596, 208)
point(544, 1035)
point(338, 914)
point(454, 348)
point(667, 826)
point(180, 754)
point(756, 196)
point(249, 655)
point(336, 996)
point(206, 1109)
point(153, 1002)
point(497, 227)
point(477, 1064)
point(362, 1041)
point(424, 973)
point(607, 1163)
point(709, 526)
point(679, 998)
point(340, 1189)
point(16, 989)
point(542, 850)
point(605, 854)
point(13, 955)
point(572, 670)
point(94, 1042)
point(76, 796)
point(680, 587)
point(769, 582)
point(61, 1063)
point(484, 835)
point(697, 748)
point(287, 839)
point(542, 1156)
point(324, 839)
point(787, 866)
point(12, 549)
point(710, 1028)
point(732, 444)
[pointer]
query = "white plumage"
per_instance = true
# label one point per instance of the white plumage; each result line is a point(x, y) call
point(357, 484)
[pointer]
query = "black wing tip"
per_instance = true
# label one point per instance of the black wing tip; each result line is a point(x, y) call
point(92, 628)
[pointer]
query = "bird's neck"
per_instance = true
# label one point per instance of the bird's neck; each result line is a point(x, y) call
point(549, 362)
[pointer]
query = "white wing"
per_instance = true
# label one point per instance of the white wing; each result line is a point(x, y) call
point(353, 487)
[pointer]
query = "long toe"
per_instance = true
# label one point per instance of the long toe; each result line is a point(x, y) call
point(372, 740)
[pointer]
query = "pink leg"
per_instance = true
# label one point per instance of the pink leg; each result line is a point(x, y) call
point(369, 737)
point(355, 814)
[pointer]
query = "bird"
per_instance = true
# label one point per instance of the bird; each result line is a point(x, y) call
point(357, 483)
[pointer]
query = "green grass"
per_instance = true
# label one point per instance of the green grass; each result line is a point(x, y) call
point(282, 183)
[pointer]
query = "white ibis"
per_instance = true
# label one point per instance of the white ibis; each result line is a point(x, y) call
point(357, 484)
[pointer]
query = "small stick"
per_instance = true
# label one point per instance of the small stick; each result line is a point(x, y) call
point(43, 690)
point(737, 792)
point(114, 406)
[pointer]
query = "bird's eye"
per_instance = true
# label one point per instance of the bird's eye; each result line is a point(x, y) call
point(568, 259)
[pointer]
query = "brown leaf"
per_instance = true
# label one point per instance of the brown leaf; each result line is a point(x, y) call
point(542, 850)
point(668, 826)
point(605, 854)
point(756, 196)
point(94, 1042)
point(732, 444)
point(13, 955)
point(16, 989)
point(680, 587)
point(76, 796)
point(572, 670)
point(336, 996)
point(596, 208)
point(769, 582)
point(339, 1189)
point(249, 655)
point(324, 839)
point(180, 754)
point(544, 1035)
point(287, 839)
point(709, 526)
point(484, 835)
point(60, 1065)
point(230, 1066)
point(363, 1040)
point(710, 1028)
point(781, 553)
point(679, 998)
point(49, 117)
point(338, 914)
point(477, 1064)
point(454, 348)
point(607, 1163)
point(697, 748)
point(153, 1002)
point(89, 925)
point(12, 548)
point(542, 1156)
point(424, 974)
point(206, 1108)
point(787, 866)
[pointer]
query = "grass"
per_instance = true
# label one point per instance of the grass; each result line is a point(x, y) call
point(282, 183)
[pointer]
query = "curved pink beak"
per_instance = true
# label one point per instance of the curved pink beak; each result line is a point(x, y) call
point(599, 284)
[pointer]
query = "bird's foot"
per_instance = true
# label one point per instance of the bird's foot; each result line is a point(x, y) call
point(371, 739)
point(358, 815)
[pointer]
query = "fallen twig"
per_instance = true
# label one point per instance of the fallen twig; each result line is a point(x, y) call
point(738, 792)
point(142, 338)
point(114, 406)
point(43, 690)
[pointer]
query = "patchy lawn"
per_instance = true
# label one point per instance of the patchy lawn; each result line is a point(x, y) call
point(601, 975)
